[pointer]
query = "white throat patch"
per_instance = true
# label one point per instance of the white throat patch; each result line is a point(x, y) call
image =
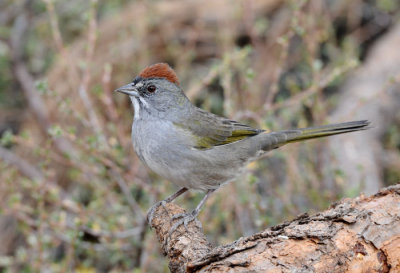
point(136, 107)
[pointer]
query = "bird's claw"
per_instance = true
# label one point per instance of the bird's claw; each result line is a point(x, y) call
point(152, 210)
point(186, 218)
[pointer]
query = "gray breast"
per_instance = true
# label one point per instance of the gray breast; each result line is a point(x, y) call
point(168, 151)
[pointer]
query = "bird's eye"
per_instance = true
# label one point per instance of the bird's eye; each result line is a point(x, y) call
point(151, 88)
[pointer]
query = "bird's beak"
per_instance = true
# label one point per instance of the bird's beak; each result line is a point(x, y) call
point(128, 89)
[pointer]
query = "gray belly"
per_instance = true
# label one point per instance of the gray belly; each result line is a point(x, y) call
point(173, 158)
point(188, 168)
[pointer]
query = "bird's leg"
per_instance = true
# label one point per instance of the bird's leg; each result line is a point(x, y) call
point(162, 203)
point(188, 217)
point(196, 211)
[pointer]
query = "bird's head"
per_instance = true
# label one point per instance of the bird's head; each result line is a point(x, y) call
point(156, 91)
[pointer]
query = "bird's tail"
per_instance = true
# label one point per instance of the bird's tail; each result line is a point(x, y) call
point(277, 139)
point(329, 130)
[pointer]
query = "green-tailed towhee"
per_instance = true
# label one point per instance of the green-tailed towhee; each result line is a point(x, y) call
point(196, 149)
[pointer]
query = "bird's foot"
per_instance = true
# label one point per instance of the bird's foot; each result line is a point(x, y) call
point(152, 210)
point(185, 219)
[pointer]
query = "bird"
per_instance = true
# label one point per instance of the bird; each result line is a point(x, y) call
point(196, 149)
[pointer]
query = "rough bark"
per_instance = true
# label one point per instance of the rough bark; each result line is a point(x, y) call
point(353, 235)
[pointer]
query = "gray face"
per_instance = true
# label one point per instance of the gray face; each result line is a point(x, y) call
point(156, 97)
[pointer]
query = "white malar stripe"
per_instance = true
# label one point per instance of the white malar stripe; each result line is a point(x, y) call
point(136, 107)
point(144, 102)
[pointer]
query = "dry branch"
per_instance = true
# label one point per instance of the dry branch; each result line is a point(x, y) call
point(354, 235)
point(36, 104)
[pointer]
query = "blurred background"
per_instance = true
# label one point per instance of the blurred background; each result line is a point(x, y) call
point(73, 195)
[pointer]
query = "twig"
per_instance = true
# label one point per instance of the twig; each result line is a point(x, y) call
point(83, 87)
point(296, 99)
point(136, 209)
point(107, 234)
point(22, 165)
point(26, 80)
point(110, 105)
point(248, 114)
point(212, 74)
point(55, 29)
point(106, 98)
point(8, 12)
point(284, 42)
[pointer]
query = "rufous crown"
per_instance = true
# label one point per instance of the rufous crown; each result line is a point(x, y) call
point(160, 70)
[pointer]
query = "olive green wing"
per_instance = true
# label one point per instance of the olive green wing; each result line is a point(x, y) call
point(209, 130)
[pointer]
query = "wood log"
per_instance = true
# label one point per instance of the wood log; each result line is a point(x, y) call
point(353, 235)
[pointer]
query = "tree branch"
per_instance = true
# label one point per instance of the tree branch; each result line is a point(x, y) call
point(27, 82)
point(353, 235)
